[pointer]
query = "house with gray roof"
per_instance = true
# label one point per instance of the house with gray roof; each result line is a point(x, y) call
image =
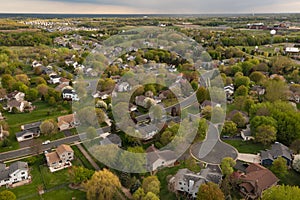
point(112, 139)
point(16, 172)
point(277, 150)
point(29, 131)
point(157, 159)
point(188, 182)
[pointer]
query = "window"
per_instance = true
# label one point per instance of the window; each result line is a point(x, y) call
point(69, 154)
point(23, 173)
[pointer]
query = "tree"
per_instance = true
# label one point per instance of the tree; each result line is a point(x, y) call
point(241, 91)
point(279, 167)
point(151, 184)
point(280, 192)
point(241, 80)
point(48, 127)
point(239, 119)
point(32, 94)
point(7, 195)
point(210, 191)
point(36, 146)
point(150, 196)
point(265, 134)
point(79, 174)
point(202, 94)
point(138, 194)
point(52, 101)
point(102, 186)
point(91, 133)
point(227, 165)
point(257, 77)
point(229, 128)
point(276, 90)
point(295, 146)
point(42, 89)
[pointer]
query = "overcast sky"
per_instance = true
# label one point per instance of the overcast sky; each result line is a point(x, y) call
point(149, 6)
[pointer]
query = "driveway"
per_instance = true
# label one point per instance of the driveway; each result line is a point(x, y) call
point(250, 158)
point(212, 150)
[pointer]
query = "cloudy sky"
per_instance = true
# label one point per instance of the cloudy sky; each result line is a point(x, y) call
point(149, 6)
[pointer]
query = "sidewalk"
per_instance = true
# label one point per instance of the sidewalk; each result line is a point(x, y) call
point(94, 164)
point(250, 158)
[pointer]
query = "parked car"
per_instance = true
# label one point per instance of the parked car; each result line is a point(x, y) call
point(46, 142)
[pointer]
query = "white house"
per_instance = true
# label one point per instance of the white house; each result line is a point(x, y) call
point(189, 182)
point(61, 158)
point(70, 94)
point(54, 79)
point(123, 87)
point(16, 172)
point(157, 159)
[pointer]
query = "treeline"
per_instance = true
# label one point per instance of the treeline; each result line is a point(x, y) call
point(26, 39)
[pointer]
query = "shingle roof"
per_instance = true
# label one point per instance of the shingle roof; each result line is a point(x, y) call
point(63, 148)
point(52, 157)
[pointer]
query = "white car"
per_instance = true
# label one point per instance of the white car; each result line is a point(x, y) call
point(46, 142)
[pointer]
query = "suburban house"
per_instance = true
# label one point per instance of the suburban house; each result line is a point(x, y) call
point(16, 100)
point(19, 96)
point(189, 182)
point(123, 87)
point(246, 134)
point(229, 90)
point(234, 112)
point(61, 158)
point(67, 122)
point(54, 79)
point(148, 131)
point(209, 103)
point(70, 94)
point(16, 172)
point(158, 159)
point(29, 131)
point(144, 102)
point(258, 90)
point(277, 150)
point(111, 139)
point(254, 181)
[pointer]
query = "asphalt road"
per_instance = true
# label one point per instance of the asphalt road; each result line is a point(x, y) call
point(26, 151)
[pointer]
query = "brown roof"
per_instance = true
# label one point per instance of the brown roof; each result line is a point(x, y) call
point(52, 157)
point(63, 148)
point(14, 103)
point(259, 177)
point(67, 119)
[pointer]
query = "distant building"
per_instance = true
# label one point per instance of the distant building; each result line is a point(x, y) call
point(246, 134)
point(70, 94)
point(16, 172)
point(112, 139)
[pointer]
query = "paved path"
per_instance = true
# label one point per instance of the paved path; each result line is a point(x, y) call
point(94, 164)
point(250, 158)
point(88, 157)
point(212, 150)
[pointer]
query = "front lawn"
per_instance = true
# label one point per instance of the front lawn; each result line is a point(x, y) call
point(55, 184)
point(292, 178)
point(246, 146)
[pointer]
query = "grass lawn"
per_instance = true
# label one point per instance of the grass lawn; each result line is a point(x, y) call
point(56, 183)
point(64, 193)
point(246, 146)
point(42, 112)
point(162, 176)
point(292, 178)
point(79, 157)
point(53, 179)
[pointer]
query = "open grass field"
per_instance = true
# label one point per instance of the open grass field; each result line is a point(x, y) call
point(246, 146)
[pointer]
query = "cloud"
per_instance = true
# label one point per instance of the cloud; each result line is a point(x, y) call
point(150, 6)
